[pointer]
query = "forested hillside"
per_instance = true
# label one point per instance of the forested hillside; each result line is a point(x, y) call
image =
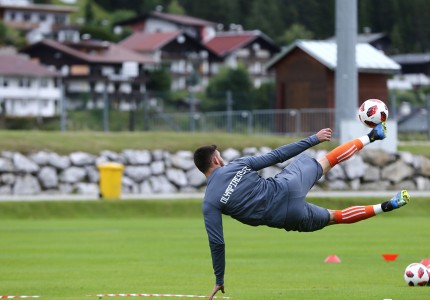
point(407, 22)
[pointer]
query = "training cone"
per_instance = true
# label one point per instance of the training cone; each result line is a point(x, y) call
point(332, 259)
point(390, 257)
point(426, 262)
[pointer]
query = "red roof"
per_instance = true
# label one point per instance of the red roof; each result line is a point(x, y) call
point(148, 42)
point(14, 64)
point(224, 43)
point(112, 54)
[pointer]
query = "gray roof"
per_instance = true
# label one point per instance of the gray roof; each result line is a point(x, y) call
point(411, 58)
point(369, 59)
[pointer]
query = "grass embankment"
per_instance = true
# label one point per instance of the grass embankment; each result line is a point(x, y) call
point(94, 142)
point(68, 250)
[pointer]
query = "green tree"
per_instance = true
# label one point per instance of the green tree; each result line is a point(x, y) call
point(265, 96)
point(175, 8)
point(295, 32)
point(10, 36)
point(237, 81)
point(89, 12)
point(159, 80)
point(98, 32)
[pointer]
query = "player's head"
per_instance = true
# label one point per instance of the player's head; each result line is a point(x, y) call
point(206, 157)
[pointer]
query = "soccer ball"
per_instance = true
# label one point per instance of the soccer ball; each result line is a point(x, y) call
point(372, 112)
point(416, 274)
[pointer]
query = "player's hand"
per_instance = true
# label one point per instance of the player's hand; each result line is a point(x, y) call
point(217, 287)
point(324, 135)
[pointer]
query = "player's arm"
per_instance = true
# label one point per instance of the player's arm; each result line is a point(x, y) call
point(288, 151)
point(213, 224)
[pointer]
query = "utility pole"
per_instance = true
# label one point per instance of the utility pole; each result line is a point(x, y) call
point(346, 103)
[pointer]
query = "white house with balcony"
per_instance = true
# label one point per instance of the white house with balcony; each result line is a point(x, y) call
point(38, 20)
point(27, 89)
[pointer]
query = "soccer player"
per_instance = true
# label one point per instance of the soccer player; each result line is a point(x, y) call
point(236, 189)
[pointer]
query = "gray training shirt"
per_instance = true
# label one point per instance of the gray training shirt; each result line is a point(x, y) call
point(239, 191)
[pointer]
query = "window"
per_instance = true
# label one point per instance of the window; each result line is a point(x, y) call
point(44, 82)
point(42, 17)
point(60, 19)
point(5, 82)
point(27, 17)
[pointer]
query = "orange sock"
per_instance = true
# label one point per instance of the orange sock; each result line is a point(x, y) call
point(354, 214)
point(344, 151)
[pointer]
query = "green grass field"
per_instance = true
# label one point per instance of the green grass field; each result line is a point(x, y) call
point(73, 249)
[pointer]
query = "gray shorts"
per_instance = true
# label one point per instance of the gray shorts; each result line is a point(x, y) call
point(301, 175)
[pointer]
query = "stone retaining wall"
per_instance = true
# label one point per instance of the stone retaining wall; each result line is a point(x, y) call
point(156, 172)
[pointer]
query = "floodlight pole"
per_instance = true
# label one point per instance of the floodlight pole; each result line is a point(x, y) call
point(346, 70)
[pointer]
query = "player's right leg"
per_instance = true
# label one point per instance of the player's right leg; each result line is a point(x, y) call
point(345, 151)
point(358, 213)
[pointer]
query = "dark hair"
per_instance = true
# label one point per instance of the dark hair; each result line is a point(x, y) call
point(202, 157)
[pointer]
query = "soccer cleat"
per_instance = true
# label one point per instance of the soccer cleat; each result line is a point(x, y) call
point(400, 199)
point(379, 132)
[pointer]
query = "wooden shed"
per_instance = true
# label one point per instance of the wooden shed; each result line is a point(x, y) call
point(305, 74)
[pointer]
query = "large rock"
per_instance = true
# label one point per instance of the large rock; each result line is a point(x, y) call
point(128, 186)
point(181, 160)
point(397, 171)
point(423, 183)
point(109, 155)
point(87, 188)
point(26, 185)
point(92, 173)
point(371, 173)
point(23, 164)
point(377, 157)
point(138, 173)
point(81, 158)
point(59, 162)
point(157, 155)
point(195, 177)
point(8, 178)
point(41, 158)
point(6, 165)
point(137, 157)
point(422, 165)
point(230, 154)
point(48, 177)
point(160, 184)
point(157, 167)
point(354, 167)
point(177, 177)
point(335, 173)
point(73, 175)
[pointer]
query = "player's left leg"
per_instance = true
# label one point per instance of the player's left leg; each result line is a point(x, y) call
point(348, 149)
point(358, 213)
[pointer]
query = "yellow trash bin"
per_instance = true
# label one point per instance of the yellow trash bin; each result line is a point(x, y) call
point(110, 180)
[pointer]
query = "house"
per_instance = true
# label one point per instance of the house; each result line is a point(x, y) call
point(413, 63)
point(305, 74)
point(417, 121)
point(94, 68)
point(36, 20)
point(379, 40)
point(182, 54)
point(253, 49)
point(163, 22)
point(28, 89)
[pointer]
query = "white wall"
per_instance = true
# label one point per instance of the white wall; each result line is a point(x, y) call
point(32, 100)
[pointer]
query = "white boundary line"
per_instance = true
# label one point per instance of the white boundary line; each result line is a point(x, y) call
point(159, 295)
point(17, 297)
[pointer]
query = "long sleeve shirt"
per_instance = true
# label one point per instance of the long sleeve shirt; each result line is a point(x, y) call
point(237, 190)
